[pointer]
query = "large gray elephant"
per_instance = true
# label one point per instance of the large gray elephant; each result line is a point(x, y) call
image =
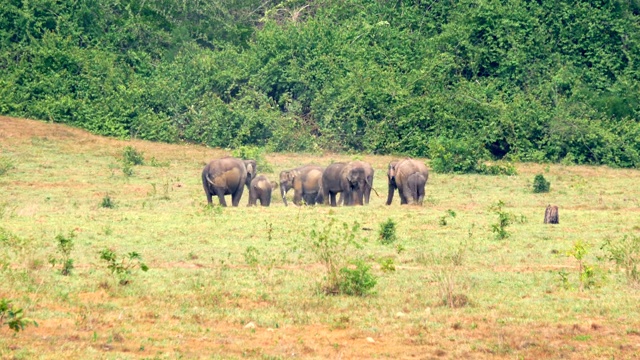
point(410, 177)
point(226, 176)
point(305, 182)
point(261, 189)
point(349, 179)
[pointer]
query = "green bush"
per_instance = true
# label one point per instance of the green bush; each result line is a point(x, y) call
point(456, 156)
point(122, 267)
point(64, 247)
point(387, 232)
point(540, 184)
point(131, 156)
point(13, 317)
point(625, 253)
point(107, 202)
point(359, 281)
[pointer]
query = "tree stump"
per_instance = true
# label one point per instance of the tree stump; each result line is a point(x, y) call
point(551, 215)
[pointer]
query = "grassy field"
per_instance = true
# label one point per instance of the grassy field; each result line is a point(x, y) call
point(212, 271)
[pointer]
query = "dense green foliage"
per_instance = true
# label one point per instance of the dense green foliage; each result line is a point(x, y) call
point(533, 80)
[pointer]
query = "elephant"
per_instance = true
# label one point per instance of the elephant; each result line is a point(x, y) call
point(226, 176)
point(304, 180)
point(350, 179)
point(261, 189)
point(250, 174)
point(410, 177)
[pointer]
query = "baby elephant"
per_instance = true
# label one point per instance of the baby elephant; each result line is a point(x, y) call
point(261, 188)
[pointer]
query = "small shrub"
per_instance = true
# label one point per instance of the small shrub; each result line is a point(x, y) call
point(587, 274)
point(155, 163)
point(127, 169)
point(132, 156)
point(502, 168)
point(5, 165)
point(359, 281)
point(251, 256)
point(626, 255)
point(123, 267)
point(387, 265)
point(253, 153)
point(13, 317)
point(387, 232)
point(504, 219)
point(449, 214)
point(107, 202)
point(333, 248)
point(64, 248)
point(540, 184)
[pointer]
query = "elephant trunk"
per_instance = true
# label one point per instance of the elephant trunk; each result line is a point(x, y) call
point(283, 192)
point(392, 189)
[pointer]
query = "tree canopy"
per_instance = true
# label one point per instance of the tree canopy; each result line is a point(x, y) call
point(530, 80)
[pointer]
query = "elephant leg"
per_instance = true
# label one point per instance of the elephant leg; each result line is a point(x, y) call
point(420, 195)
point(266, 199)
point(235, 197)
point(220, 195)
point(309, 199)
point(297, 197)
point(252, 197)
point(347, 198)
point(392, 189)
point(333, 199)
point(403, 198)
point(367, 195)
point(408, 195)
point(209, 196)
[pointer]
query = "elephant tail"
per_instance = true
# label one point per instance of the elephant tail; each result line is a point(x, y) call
point(209, 180)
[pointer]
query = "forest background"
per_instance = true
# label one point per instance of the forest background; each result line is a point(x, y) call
point(546, 80)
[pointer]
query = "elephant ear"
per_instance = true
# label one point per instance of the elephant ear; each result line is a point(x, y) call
point(292, 175)
point(274, 185)
point(249, 169)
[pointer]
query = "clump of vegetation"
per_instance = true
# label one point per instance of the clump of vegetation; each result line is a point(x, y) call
point(253, 153)
point(127, 170)
point(504, 219)
point(626, 255)
point(251, 254)
point(107, 202)
point(335, 251)
point(464, 156)
point(450, 214)
point(6, 164)
point(156, 163)
point(13, 317)
point(132, 156)
point(64, 247)
point(122, 267)
point(540, 184)
point(387, 232)
point(587, 274)
point(387, 265)
point(447, 276)
point(359, 281)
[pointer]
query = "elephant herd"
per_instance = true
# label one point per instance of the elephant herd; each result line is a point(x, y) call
point(313, 184)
